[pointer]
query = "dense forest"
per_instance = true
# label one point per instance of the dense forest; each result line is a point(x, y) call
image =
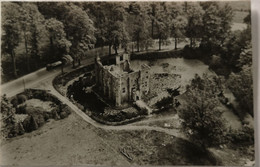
point(37, 33)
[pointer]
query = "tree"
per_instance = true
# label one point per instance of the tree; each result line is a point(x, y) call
point(32, 27)
point(216, 26)
point(59, 45)
point(78, 27)
point(7, 113)
point(202, 120)
point(24, 20)
point(137, 25)
point(80, 30)
point(10, 28)
point(152, 13)
point(194, 16)
point(237, 50)
point(162, 22)
point(109, 20)
point(97, 14)
point(241, 85)
point(178, 27)
point(115, 33)
point(178, 22)
point(247, 19)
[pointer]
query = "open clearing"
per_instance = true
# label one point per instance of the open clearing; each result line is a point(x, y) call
point(81, 144)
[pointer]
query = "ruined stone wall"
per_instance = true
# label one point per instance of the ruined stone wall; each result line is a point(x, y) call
point(107, 83)
point(124, 88)
point(99, 73)
point(145, 78)
point(134, 83)
point(130, 86)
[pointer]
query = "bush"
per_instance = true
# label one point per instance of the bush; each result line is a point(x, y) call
point(39, 119)
point(21, 109)
point(34, 110)
point(36, 116)
point(47, 116)
point(67, 110)
point(21, 130)
point(38, 94)
point(143, 111)
point(17, 129)
point(217, 65)
point(63, 115)
point(243, 137)
point(215, 62)
point(164, 103)
point(21, 98)
point(55, 114)
point(14, 102)
point(30, 124)
point(28, 93)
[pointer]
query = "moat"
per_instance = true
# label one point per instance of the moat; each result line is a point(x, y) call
point(167, 73)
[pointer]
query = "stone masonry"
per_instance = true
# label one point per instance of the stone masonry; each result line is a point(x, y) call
point(119, 82)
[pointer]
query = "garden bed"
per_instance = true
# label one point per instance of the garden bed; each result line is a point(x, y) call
point(32, 109)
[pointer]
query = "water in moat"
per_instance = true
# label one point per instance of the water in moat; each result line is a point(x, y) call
point(87, 100)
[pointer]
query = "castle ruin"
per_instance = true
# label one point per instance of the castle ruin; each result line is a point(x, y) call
point(119, 82)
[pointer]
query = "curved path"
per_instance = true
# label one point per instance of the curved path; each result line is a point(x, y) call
point(173, 132)
point(42, 79)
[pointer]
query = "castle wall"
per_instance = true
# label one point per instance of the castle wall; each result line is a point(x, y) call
point(128, 86)
point(124, 89)
point(134, 84)
point(145, 78)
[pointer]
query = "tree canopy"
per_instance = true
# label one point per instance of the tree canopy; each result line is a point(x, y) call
point(42, 32)
point(202, 120)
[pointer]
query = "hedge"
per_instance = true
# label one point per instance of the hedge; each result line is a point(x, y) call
point(37, 117)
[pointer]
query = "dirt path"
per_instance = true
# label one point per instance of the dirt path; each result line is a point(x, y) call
point(47, 85)
point(173, 132)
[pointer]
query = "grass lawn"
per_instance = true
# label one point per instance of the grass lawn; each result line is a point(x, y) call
point(239, 16)
point(74, 141)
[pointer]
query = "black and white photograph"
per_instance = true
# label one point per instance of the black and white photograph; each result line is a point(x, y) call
point(127, 83)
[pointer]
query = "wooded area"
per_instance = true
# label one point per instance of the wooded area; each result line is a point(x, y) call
point(37, 33)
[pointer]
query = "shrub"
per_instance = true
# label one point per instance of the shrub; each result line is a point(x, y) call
point(30, 124)
point(14, 102)
point(30, 110)
point(41, 94)
point(244, 136)
point(241, 85)
point(55, 114)
point(28, 93)
point(21, 130)
point(38, 94)
point(164, 103)
point(63, 115)
point(21, 98)
point(143, 111)
point(16, 129)
point(67, 110)
point(39, 119)
point(21, 109)
point(46, 116)
point(215, 62)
